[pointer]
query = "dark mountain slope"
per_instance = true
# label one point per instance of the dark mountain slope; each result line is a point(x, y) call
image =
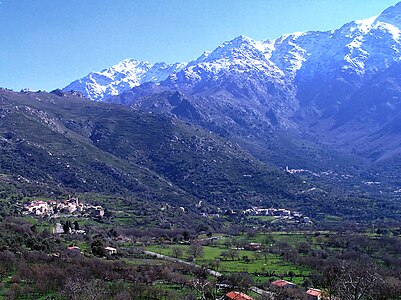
point(368, 123)
point(65, 140)
point(253, 129)
point(60, 141)
point(38, 145)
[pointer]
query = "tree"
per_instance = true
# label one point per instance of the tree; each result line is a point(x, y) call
point(186, 235)
point(356, 282)
point(45, 233)
point(239, 243)
point(227, 243)
point(390, 289)
point(206, 289)
point(195, 250)
point(291, 274)
point(177, 252)
point(215, 264)
point(76, 225)
point(265, 252)
point(240, 281)
point(329, 279)
point(81, 288)
point(303, 247)
point(224, 255)
point(67, 227)
point(107, 213)
point(97, 248)
point(269, 239)
point(232, 253)
point(7, 260)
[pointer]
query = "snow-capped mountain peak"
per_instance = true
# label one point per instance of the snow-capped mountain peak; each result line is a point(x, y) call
point(128, 65)
point(121, 77)
point(239, 47)
point(356, 49)
point(239, 57)
point(365, 25)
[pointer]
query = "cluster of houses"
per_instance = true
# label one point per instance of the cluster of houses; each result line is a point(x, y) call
point(277, 212)
point(76, 250)
point(70, 206)
point(298, 171)
point(280, 213)
point(311, 294)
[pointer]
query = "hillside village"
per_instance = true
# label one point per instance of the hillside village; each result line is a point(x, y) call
point(279, 213)
point(276, 213)
point(54, 208)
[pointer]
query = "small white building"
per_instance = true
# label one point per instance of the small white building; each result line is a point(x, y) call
point(110, 250)
point(58, 229)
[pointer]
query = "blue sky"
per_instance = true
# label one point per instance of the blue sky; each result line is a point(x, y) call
point(46, 44)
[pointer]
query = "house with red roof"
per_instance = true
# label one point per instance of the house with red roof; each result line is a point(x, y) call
point(237, 296)
point(283, 284)
point(74, 250)
point(253, 246)
point(314, 294)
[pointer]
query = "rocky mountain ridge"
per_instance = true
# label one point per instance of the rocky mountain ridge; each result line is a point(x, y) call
point(287, 99)
point(121, 77)
point(358, 48)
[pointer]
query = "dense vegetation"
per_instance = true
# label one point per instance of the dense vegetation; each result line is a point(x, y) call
point(356, 263)
point(57, 142)
point(155, 176)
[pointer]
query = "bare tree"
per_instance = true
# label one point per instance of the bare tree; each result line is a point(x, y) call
point(329, 279)
point(78, 288)
point(206, 289)
point(215, 264)
point(177, 252)
point(356, 282)
point(240, 281)
point(195, 250)
point(391, 289)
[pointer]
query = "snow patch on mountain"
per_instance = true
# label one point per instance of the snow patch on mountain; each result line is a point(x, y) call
point(364, 25)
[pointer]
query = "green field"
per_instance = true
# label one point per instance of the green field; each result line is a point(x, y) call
point(263, 218)
point(258, 264)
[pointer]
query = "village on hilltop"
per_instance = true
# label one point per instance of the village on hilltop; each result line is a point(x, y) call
point(56, 208)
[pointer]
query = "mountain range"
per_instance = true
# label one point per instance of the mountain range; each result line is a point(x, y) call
point(338, 88)
point(308, 121)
